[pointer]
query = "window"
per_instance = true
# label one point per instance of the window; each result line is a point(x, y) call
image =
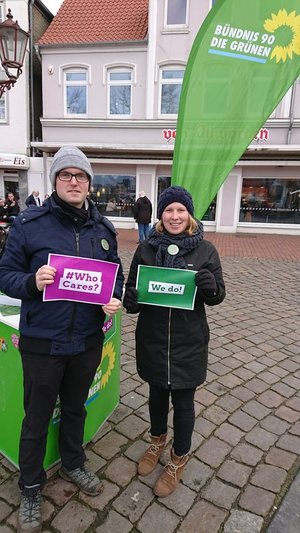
point(75, 91)
point(1, 12)
point(3, 114)
point(120, 93)
point(270, 201)
point(165, 181)
point(170, 88)
point(176, 12)
point(114, 195)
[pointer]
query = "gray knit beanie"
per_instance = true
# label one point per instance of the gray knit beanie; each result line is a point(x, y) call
point(69, 157)
point(175, 194)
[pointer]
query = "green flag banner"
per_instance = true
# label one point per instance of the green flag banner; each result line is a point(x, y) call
point(245, 57)
point(167, 287)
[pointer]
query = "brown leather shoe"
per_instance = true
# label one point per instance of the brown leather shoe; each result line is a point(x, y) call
point(148, 462)
point(169, 480)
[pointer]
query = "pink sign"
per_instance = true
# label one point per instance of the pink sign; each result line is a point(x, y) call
point(79, 279)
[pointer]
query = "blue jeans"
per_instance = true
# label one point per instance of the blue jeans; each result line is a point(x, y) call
point(143, 231)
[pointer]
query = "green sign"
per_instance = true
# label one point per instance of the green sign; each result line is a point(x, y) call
point(244, 59)
point(103, 395)
point(167, 287)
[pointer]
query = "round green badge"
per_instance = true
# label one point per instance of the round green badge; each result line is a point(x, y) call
point(104, 244)
point(173, 249)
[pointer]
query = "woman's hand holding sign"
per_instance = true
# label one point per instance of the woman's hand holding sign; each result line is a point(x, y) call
point(112, 307)
point(44, 276)
point(206, 282)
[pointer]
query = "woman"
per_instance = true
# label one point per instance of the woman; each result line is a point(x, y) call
point(172, 344)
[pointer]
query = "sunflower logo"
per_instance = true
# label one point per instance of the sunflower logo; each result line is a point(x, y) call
point(108, 363)
point(290, 39)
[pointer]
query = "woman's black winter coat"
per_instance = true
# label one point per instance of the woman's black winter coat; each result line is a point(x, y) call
point(172, 344)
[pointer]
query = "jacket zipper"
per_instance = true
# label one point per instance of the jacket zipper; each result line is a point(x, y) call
point(74, 306)
point(169, 349)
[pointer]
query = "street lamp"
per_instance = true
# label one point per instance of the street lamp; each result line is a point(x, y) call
point(13, 42)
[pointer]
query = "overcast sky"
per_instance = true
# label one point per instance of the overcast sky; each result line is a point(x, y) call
point(53, 5)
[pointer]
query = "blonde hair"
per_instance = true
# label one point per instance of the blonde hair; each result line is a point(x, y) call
point(189, 230)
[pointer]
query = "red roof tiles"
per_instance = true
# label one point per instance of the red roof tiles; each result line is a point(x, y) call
point(94, 21)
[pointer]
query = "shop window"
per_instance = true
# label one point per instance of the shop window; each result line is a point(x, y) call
point(270, 201)
point(75, 91)
point(170, 89)
point(120, 92)
point(165, 181)
point(176, 12)
point(114, 195)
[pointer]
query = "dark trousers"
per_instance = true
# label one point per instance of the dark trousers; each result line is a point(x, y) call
point(46, 377)
point(183, 417)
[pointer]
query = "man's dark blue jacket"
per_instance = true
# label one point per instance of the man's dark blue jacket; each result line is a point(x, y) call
point(57, 327)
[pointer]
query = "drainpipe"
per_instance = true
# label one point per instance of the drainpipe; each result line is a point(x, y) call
point(31, 37)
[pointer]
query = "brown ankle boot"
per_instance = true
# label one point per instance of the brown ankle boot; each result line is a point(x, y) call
point(169, 480)
point(148, 462)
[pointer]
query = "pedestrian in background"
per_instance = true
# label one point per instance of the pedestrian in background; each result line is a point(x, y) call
point(33, 199)
point(60, 341)
point(172, 344)
point(12, 207)
point(142, 211)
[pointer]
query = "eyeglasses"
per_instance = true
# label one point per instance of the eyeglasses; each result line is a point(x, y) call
point(67, 176)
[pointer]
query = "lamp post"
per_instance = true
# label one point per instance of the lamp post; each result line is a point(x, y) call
point(13, 42)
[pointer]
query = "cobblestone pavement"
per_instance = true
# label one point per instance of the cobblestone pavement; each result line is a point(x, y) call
point(246, 443)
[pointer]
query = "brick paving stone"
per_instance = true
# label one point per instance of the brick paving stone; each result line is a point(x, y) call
point(257, 385)
point(243, 522)
point(3, 474)
point(215, 414)
point(10, 492)
point(244, 357)
point(132, 427)
point(283, 390)
point(294, 403)
point(128, 385)
point(110, 491)
point(229, 403)
point(136, 450)
point(158, 518)
point(115, 522)
point(269, 477)
point(134, 501)
point(133, 400)
point(120, 412)
point(295, 429)
point(289, 365)
point(59, 491)
point(219, 369)
point(180, 501)
point(217, 388)
point(234, 473)
point(203, 518)
point(205, 397)
point(292, 382)
point(278, 356)
point(220, 494)
point(256, 409)
point(242, 420)
point(5, 510)
point(121, 471)
point(261, 438)
point(110, 445)
point(229, 433)
point(287, 414)
point(232, 362)
point(197, 440)
point(247, 454)
point(275, 425)
point(257, 500)
point(143, 412)
point(279, 371)
point(213, 452)
point(270, 399)
point(244, 374)
point(269, 377)
point(290, 443)
point(230, 381)
point(5, 529)
point(204, 427)
point(94, 461)
point(255, 367)
point(196, 474)
point(242, 393)
point(280, 458)
point(74, 517)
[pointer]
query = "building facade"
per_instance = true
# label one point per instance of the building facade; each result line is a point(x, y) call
point(21, 107)
point(112, 75)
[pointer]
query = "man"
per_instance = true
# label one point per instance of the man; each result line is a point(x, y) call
point(60, 341)
point(142, 211)
point(12, 207)
point(33, 199)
